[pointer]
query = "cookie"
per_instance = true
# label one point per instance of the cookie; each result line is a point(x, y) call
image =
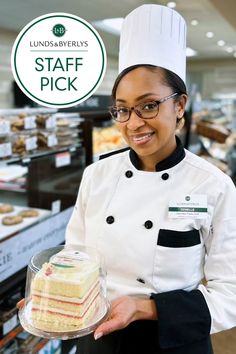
point(29, 213)
point(6, 208)
point(12, 220)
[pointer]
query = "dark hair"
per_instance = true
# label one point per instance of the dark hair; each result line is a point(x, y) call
point(170, 79)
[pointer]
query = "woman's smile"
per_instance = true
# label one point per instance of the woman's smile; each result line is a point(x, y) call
point(142, 138)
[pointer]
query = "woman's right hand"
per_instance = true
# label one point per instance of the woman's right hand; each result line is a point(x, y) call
point(20, 304)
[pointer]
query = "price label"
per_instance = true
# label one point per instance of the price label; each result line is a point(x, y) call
point(30, 122)
point(51, 122)
point(5, 150)
point(4, 127)
point(63, 159)
point(31, 143)
point(56, 207)
point(52, 140)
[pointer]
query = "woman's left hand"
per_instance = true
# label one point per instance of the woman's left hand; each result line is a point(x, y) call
point(125, 310)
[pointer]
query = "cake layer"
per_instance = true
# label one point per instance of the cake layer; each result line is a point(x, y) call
point(57, 322)
point(62, 304)
point(66, 299)
point(58, 286)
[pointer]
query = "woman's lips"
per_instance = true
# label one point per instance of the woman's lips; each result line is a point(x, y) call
point(142, 138)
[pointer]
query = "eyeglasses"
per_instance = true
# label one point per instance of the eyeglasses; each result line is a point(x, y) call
point(146, 110)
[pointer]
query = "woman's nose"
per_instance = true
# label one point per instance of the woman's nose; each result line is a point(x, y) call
point(134, 121)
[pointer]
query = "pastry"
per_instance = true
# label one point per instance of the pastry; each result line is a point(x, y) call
point(63, 122)
point(42, 140)
point(29, 213)
point(17, 125)
point(46, 140)
point(41, 120)
point(19, 146)
point(6, 208)
point(12, 220)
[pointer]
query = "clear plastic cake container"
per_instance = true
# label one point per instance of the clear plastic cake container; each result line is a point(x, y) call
point(65, 294)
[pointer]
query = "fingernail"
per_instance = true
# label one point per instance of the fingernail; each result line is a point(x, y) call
point(98, 335)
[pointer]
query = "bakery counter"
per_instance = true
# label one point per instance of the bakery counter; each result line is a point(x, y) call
point(17, 248)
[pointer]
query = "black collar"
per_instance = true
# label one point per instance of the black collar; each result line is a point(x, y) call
point(172, 160)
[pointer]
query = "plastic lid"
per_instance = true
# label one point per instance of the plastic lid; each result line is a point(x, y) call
point(65, 293)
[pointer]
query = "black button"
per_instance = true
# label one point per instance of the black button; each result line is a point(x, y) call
point(110, 219)
point(129, 174)
point(140, 280)
point(165, 176)
point(148, 224)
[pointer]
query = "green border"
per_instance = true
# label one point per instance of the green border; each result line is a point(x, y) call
point(72, 102)
point(188, 209)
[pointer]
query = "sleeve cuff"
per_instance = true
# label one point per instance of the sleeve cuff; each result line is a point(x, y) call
point(183, 317)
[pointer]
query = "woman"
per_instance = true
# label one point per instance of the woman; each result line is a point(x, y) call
point(163, 219)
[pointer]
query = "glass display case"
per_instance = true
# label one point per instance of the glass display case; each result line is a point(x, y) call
point(214, 126)
point(42, 157)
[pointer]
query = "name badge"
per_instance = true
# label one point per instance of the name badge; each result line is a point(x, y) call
point(191, 206)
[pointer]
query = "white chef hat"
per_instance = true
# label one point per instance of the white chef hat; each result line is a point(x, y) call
point(156, 35)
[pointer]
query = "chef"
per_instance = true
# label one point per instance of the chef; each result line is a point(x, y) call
point(163, 218)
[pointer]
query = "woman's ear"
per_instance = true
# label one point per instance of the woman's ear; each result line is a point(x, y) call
point(180, 105)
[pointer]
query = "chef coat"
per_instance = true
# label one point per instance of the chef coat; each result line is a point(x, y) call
point(124, 212)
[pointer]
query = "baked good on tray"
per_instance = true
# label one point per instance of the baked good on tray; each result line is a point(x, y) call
point(65, 293)
point(29, 213)
point(12, 220)
point(6, 208)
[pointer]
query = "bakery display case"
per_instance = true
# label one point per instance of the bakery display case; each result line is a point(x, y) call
point(214, 127)
point(43, 153)
point(38, 145)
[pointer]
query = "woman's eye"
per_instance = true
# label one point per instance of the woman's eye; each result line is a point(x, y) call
point(122, 110)
point(149, 106)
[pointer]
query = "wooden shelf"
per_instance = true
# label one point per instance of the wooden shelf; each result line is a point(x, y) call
point(10, 336)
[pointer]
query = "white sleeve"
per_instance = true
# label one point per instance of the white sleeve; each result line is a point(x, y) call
point(220, 265)
point(75, 231)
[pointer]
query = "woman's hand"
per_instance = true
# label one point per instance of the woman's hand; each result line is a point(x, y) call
point(125, 310)
point(20, 304)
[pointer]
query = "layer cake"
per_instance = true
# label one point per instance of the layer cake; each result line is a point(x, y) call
point(65, 292)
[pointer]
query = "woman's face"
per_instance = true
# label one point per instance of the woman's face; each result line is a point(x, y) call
point(152, 139)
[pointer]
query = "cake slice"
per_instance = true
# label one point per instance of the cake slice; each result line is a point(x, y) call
point(65, 292)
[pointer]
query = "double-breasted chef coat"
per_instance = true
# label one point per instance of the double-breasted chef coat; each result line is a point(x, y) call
point(124, 212)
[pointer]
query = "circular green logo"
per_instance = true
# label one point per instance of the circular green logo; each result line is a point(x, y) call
point(59, 30)
point(55, 67)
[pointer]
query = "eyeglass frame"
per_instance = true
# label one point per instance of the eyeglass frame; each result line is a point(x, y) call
point(134, 108)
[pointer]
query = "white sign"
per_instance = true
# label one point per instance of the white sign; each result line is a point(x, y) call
point(4, 127)
point(30, 122)
point(58, 60)
point(190, 206)
point(62, 159)
point(5, 150)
